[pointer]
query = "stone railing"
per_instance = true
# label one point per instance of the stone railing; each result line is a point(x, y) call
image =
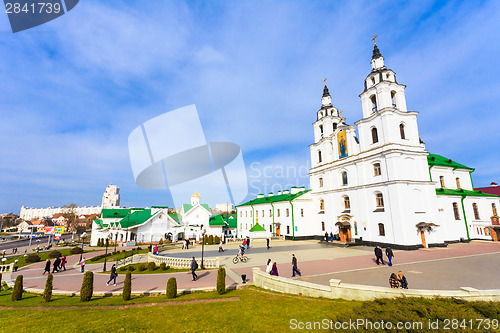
point(7, 268)
point(183, 262)
point(361, 292)
point(257, 239)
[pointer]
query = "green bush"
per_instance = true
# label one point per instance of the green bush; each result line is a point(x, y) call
point(0, 281)
point(131, 268)
point(211, 240)
point(142, 267)
point(99, 242)
point(76, 250)
point(172, 288)
point(167, 241)
point(205, 239)
point(32, 257)
point(151, 266)
point(17, 292)
point(221, 280)
point(122, 269)
point(216, 240)
point(127, 287)
point(87, 287)
point(47, 292)
point(163, 266)
point(54, 254)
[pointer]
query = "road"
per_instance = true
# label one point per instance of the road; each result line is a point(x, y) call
point(7, 245)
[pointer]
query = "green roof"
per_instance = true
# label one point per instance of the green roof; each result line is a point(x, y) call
point(257, 227)
point(232, 223)
point(438, 160)
point(274, 198)
point(463, 193)
point(136, 218)
point(115, 213)
point(175, 217)
point(216, 220)
point(187, 207)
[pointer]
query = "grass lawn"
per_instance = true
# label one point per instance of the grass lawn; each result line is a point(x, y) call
point(255, 311)
point(43, 256)
point(136, 270)
point(118, 256)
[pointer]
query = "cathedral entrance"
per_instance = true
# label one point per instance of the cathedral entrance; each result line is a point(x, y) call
point(422, 236)
point(344, 231)
point(278, 231)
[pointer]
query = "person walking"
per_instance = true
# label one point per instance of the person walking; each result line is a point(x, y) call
point(294, 266)
point(403, 283)
point(269, 267)
point(326, 236)
point(393, 281)
point(267, 243)
point(378, 255)
point(194, 267)
point(389, 254)
point(47, 267)
point(245, 243)
point(274, 270)
point(187, 244)
point(82, 264)
point(331, 236)
point(248, 242)
point(63, 262)
point(220, 246)
point(113, 275)
point(57, 262)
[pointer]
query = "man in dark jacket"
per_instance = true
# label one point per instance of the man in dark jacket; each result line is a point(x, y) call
point(326, 236)
point(294, 266)
point(57, 262)
point(389, 254)
point(113, 275)
point(194, 267)
point(47, 266)
point(378, 255)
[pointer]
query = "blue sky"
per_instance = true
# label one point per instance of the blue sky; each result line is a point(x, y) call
point(73, 89)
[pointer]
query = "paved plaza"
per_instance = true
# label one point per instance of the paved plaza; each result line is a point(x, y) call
point(475, 264)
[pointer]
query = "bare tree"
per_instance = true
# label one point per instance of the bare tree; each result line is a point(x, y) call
point(69, 213)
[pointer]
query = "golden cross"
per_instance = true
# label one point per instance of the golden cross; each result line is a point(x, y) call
point(324, 81)
point(340, 113)
point(373, 39)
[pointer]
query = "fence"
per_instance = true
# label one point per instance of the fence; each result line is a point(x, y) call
point(257, 239)
point(363, 293)
point(183, 262)
point(7, 268)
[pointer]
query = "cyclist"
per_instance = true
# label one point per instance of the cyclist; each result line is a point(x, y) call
point(241, 251)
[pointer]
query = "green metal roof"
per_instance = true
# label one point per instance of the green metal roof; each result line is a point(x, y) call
point(175, 217)
point(115, 213)
point(216, 220)
point(187, 207)
point(257, 227)
point(463, 193)
point(438, 160)
point(274, 198)
point(232, 223)
point(136, 218)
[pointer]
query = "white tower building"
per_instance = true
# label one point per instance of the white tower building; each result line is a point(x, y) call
point(111, 197)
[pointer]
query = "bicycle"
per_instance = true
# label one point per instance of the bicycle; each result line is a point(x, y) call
point(239, 258)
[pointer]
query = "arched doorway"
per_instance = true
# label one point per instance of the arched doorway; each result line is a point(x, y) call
point(344, 231)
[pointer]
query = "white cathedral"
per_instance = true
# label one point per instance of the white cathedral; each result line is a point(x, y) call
point(379, 186)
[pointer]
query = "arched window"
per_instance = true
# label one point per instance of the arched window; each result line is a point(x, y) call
point(402, 131)
point(319, 156)
point(374, 103)
point(344, 178)
point(476, 211)
point(458, 182)
point(321, 204)
point(455, 211)
point(374, 135)
point(270, 212)
point(321, 182)
point(393, 99)
point(321, 130)
point(494, 208)
point(347, 202)
point(441, 180)
point(322, 226)
point(381, 229)
point(373, 80)
point(256, 213)
point(376, 169)
point(334, 126)
point(379, 198)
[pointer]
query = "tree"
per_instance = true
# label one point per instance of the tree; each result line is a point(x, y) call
point(87, 287)
point(17, 292)
point(47, 292)
point(127, 287)
point(69, 213)
point(172, 288)
point(221, 280)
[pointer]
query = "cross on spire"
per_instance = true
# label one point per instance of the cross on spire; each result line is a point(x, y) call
point(374, 39)
point(324, 81)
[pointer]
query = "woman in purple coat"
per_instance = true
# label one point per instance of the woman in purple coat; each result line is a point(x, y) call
point(274, 270)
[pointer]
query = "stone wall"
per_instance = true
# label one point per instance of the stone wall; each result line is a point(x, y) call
point(183, 262)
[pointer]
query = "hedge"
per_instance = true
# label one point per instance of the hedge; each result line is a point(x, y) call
point(163, 266)
point(127, 286)
point(172, 288)
point(54, 254)
point(17, 292)
point(221, 280)
point(151, 266)
point(47, 292)
point(87, 287)
point(142, 267)
point(76, 250)
point(32, 257)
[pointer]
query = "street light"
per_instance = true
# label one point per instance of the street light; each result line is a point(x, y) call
point(106, 254)
point(82, 236)
point(202, 245)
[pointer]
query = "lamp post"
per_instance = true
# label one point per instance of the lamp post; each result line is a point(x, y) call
point(106, 254)
point(202, 245)
point(82, 236)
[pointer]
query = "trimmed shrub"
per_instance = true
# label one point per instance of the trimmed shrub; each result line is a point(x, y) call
point(205, 239)
point(221, 280)
point(17, 292)
point(32, 257)
point(0, 281)
point(87, 287)
point(127, 287)
point(131, 268)
point(167, 241)
point(122, 269)
point(76, 250)
point(47, 292)
point(54, 254)
point(161, 241)
point(142, 267)
point(163, 267)
point(151, 266)
point(216, 240)
point(211, 240)
point(172, 288)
